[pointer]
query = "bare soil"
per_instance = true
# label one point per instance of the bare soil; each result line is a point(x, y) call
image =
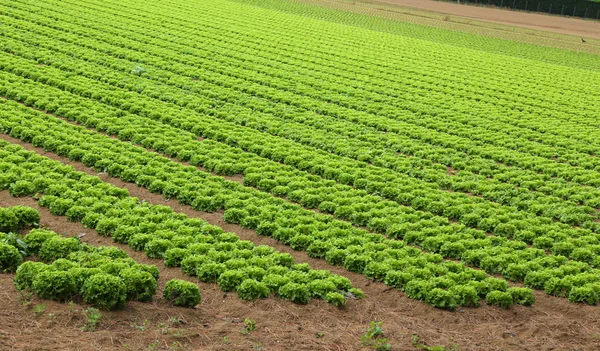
point(551, 23)
point(215, 324)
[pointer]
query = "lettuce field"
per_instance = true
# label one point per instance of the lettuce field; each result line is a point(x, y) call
point(272, 156)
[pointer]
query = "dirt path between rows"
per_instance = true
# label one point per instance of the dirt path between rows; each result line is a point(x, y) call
point(563, 25)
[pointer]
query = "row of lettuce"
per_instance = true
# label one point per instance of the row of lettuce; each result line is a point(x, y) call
point(373, 147)
point(479, 215)
point(213, 255)
point(283, 179)
point(451, 205)
point(415, 227)
point(370, 17)
point(223, 87)
point(60, 268)
point(391, 261)
point(487, 130)
point(200, 249)
point(103, 99)
point(364, 77)
point(218, 29)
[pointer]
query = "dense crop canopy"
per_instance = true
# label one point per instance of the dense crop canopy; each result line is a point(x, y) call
point(427, 166)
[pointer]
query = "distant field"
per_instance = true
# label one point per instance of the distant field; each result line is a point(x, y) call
point(473, 18)
point(308, 166)
point(382, 16)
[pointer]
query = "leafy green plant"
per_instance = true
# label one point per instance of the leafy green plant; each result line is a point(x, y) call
point(111, 251)
point(321, 287)
point(114, 267)
point(377, 270)
point(301, 242)
point(22, 188)
point(63, 264)
point(251, 290)
point(174, 256)
point(140, 285)
point(522, 296)
point(335, 299)
point(417, 289)
point(584, 294)
point(39, 309)
point(253, 272)
point(275, 281)
point(318, 249)
point(190, 264)
point(356, 263)
point(54, 285)
point(156, 248)
point(499, 298)
point(60, 206)
point(8, 220)
point(466, 295)
point(441, 299)
point(15, 240)
point(152, 269)
point(36, 238)
point(230, 280)
point(374, 337)
point(249, 326)
point(138, 241)
point(26, 274)
point(182, 293)
point(357, 293)
point(27, 216)
point(416, 342)
point(57, 247)
point(10, 258)
point(80, 275)
point(76, 213)
point(90, 220)
point(106, 226)
point(297, 293)
point(104, 291)
point(92, 319)
point(210, 272)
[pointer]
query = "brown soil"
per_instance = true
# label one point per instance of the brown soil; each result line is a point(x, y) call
point(563, 25)
point(551, 324)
